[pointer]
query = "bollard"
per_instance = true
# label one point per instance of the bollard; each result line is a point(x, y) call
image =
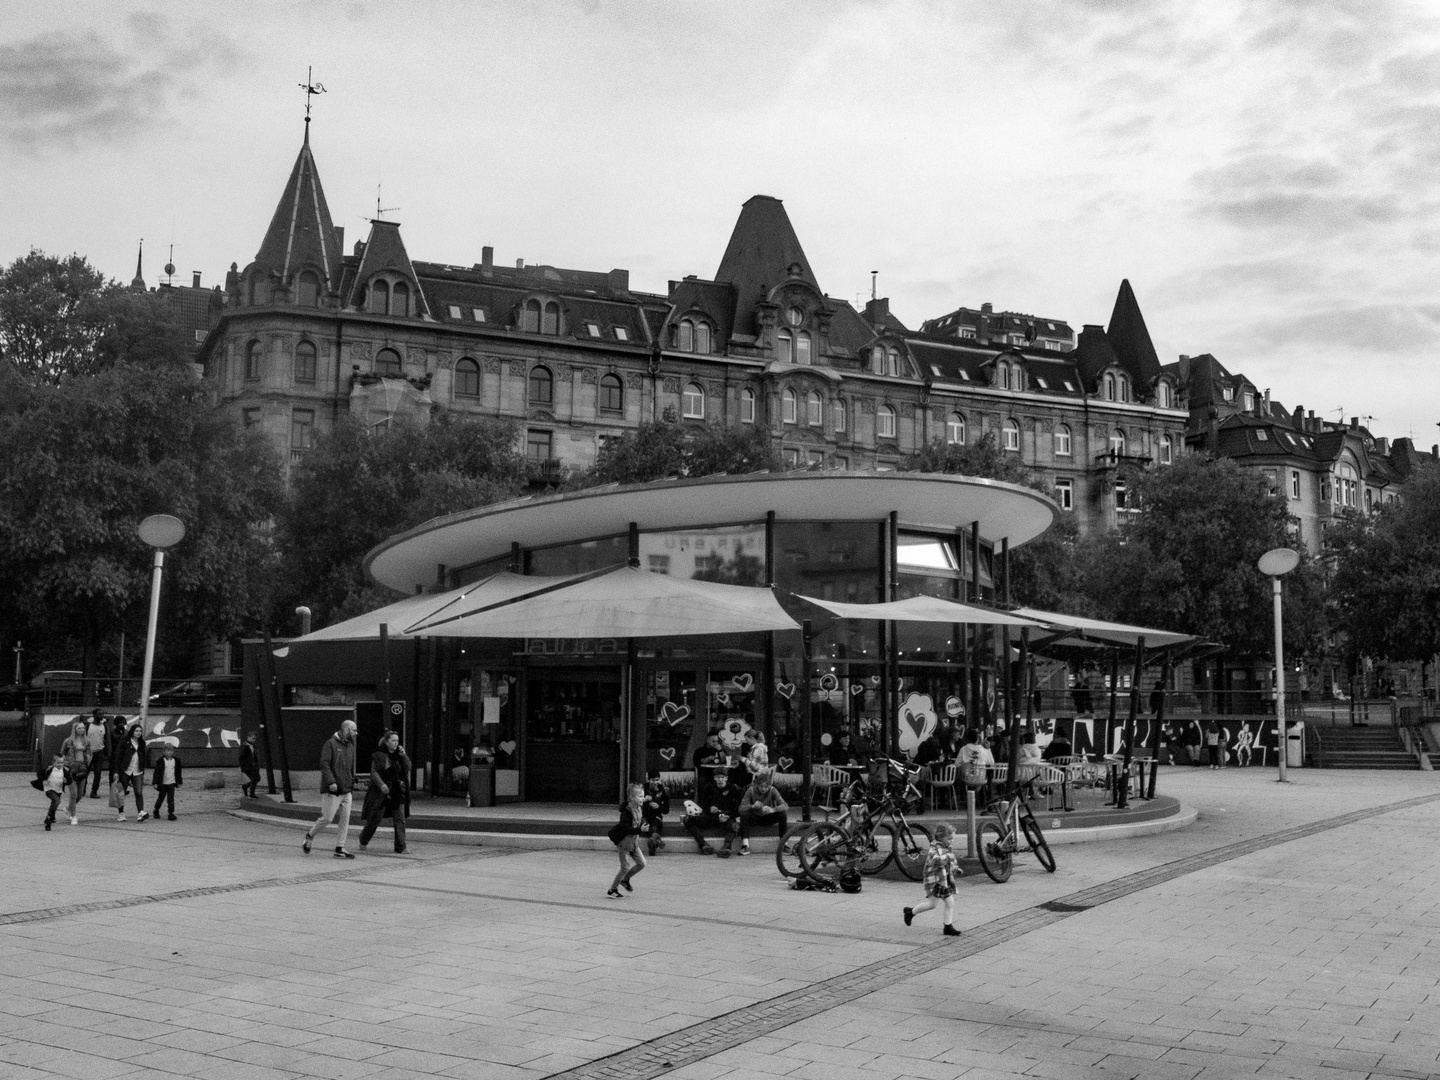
point(969, 823)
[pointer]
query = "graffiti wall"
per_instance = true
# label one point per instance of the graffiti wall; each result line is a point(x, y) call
point(184, 731)
point(1246, 740)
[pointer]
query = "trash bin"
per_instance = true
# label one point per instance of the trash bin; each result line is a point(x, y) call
point(1295, 746)
point(482, 781)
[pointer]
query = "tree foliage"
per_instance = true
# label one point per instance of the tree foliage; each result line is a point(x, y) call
point(356, 488)
point(1386, 583)
point(666, 448)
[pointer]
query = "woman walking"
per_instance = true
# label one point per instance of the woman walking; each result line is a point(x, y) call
point(389, 771)
point(77, 754)
point(131, 759)
point(625, 835)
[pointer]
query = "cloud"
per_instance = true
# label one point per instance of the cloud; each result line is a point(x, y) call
point(66, 89)
point(1394, 328)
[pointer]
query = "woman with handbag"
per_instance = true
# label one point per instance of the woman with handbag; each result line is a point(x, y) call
point(76, 752)
point(389, 770)
point(131, 759)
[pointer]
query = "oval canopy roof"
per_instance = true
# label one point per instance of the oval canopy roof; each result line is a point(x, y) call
point(930, 501)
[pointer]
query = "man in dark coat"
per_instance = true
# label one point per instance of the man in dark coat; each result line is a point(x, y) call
point(389, 770)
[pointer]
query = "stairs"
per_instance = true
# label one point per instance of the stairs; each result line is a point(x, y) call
point(17, 761)
point(1364, 748)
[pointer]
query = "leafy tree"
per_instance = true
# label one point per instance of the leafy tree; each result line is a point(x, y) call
point(1386, 581)
point(982, 458)
point(668, 448)
point(355, 489)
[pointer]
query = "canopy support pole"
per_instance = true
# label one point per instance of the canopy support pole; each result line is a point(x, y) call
point(270, 698)
point(1122, 796)
point(1159, 720)
point(807, 790)
point(977, 711)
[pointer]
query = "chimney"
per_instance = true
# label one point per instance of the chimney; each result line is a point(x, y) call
point(1298, 417)
point(1435, 453)
point(1310, 423)
point(987, 309)
point(195, 279)
point(519, 264)
point(1382, 447)
point(1266, 399)
point(619, 282)
point(487, 256)
point(877, 311)
point(1354, 423)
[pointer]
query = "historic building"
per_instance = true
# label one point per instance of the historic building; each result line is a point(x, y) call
point(309, 332)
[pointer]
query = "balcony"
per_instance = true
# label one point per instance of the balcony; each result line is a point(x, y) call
point(1109, 460)
point(544, 472)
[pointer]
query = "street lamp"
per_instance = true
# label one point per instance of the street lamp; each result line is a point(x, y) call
point(1275, 564)
point(160, 531)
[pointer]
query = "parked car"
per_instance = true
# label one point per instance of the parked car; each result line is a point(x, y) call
point(203, 691)
point(56, 688)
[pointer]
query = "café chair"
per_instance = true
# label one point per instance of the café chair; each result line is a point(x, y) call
point(943, 780)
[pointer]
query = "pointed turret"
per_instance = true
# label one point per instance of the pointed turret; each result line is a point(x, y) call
point(763, 252)
point(1129, 338)
point(384, 254)
point(138, 281)
point(301, 235)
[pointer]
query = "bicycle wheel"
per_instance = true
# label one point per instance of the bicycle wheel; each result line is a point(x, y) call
point(1036, 839)
point(877, 848)
point(912, 846)
point(825, 852)
point(995, 858)
point(787, 852)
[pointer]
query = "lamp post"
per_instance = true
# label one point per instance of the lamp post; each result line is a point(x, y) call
point(1275, 564)
point(160, 531)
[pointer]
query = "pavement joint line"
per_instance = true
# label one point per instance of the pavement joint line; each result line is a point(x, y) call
point(705, 1039)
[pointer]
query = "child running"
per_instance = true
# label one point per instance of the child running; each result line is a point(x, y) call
point(941, 870)
point(52, 782)
point(625, 835)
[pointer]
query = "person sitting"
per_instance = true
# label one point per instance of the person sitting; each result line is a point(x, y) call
point(762, 805)
point(1059, 748)
point(842, 752)
point(653, 810)
point(711, 752)
point(719, 802)
point(1029, 758)
point(974, 760)
point(756, 757)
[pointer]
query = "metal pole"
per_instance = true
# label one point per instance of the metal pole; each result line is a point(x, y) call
point(384, 676)
point(1279, 676)
point(803, 693)
point(1123, 797)
point(155, 576)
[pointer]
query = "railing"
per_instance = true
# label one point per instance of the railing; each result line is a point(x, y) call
point(211, 692)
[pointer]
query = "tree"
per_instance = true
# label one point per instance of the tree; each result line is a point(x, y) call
point(668, 448)
point(356, 489)
point(1386, 581)
point(982, 458)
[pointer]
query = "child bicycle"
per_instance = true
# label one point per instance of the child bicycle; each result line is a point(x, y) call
point(998, 840)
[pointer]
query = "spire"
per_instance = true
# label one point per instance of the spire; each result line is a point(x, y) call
point(763, 252)
point(138, 282)
point(301, 234)
point(1130, 339)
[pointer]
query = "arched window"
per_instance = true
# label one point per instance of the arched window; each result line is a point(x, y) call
point(389, 364)
point(400, 299)
point(892, 362)
point(1062, 441)
point(253, 357)
point(1165, 448)
point(787, 406)
point(747, 406)
point(379, 298)
point(530, 317)
point(1122, 386)
point(885, 422)
point(1017, 377)
point(307, 289)
point(814, 411)
point(1011, 432)
point(955, 429)
point(783, 350)
point(550, 323)
point(685, 339)
point(467, 378)
point(1345, 485)
point(1109, 387)
point(1162, 394)
point(842, 415)
point(612, 394)
point(1117, 442)
point(692, 405)
point(877, 360)
point(802, 348)
point(702, 337)
point(542, 386)
point(305, 362)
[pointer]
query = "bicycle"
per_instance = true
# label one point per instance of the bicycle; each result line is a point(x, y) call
point(853, 809)
point(870, 841)
point(997, 840)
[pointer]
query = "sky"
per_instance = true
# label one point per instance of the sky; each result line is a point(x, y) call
point(1264, 172)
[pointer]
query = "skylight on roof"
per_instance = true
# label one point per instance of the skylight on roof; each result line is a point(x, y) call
point(621, 334)
point(1040, 382)
point(936, 369)
point(593, 329)
point(1069, 386)
point(1261, 434)
point(455, 311)
point(479, 313)
point(964, 375)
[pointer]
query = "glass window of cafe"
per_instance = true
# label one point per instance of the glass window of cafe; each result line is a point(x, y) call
point(730, 554)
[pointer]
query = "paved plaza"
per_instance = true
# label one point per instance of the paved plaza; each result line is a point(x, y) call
point(1290, 932)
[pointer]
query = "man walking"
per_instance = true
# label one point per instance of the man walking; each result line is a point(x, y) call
point(337, 787)
point(97, 734)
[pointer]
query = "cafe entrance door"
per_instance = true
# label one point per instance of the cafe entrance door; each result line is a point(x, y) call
point(572, 734)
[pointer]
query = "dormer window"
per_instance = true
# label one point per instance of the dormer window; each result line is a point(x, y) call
point(307, 289)
point(892, 361)
point(1162, 395)
point(539, 317)
point(784, 347)
point(693, 335)
point(1249, 401)
point(380, 297)
point(967, 333)
point(1109, 387)
point(1228, 393)
point(1122, 386)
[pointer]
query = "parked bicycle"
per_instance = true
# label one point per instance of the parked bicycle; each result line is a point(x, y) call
point(873, 833)
point(999, 838)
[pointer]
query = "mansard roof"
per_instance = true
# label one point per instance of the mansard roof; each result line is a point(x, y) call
point(301, 233)
point(714, 298)
point(763, 252)
point(951, 361)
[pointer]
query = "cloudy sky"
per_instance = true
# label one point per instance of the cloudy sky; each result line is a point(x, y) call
point(1263, 172)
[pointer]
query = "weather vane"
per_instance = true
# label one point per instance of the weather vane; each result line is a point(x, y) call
point(311, 88)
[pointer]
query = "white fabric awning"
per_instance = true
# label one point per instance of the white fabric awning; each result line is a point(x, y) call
point(931, 609)
point(1110, 633)
point(624, 602)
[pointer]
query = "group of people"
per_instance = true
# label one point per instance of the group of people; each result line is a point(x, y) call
point(98, 746)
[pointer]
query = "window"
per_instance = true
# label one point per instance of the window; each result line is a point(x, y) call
point(840, 462)
point(530, 317)
point(802, 348)
point(1122, 384)
point(1368, 500)
point(1041, 383)
point(1271, 481)
point(783, 347)
point(542, 386)
point(537, 445)
point(792, 458)
point(1122, 496)
point(967, 332)
point(1345, 486)
point(252, 360)
point(379, 298)
point(1165, 450)
point(1228, 393)
point(877, 360)
point(612, 394)
point(1109, 387)
point(467, 378)
point(685, 339)
point(1117, 443)
point(955, 429)
point(1011, 432)
point(815, 459)
point(1249, 401)
point(550, 319)
point(479, 314)
point(1294, 483)
point(400, 299)
point(1261, 435)
point(658, 564)
point(1162, 395)
point(1062, 441)
point(885, 422)
point(702, 337)
point(250, 417)
point(693, 403)
point(593, 329)
point(787, 406)
point(305, 362)
point(1069, 386)
point(302, 431)
point(621, 334)
point(892, 362)
point(1065, 493)
point(454, 311)
point(389, 364)
point(747, 406)
point(814, 411)
point(841, 412)
point(1017, 377)
point(307, 289)
point(795, 316)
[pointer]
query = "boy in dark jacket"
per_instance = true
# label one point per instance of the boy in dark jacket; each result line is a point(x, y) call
point(654, 809)
point(719, 808)
point(168, 776)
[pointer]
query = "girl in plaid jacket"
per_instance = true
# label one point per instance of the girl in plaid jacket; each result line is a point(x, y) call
point(941, 870)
